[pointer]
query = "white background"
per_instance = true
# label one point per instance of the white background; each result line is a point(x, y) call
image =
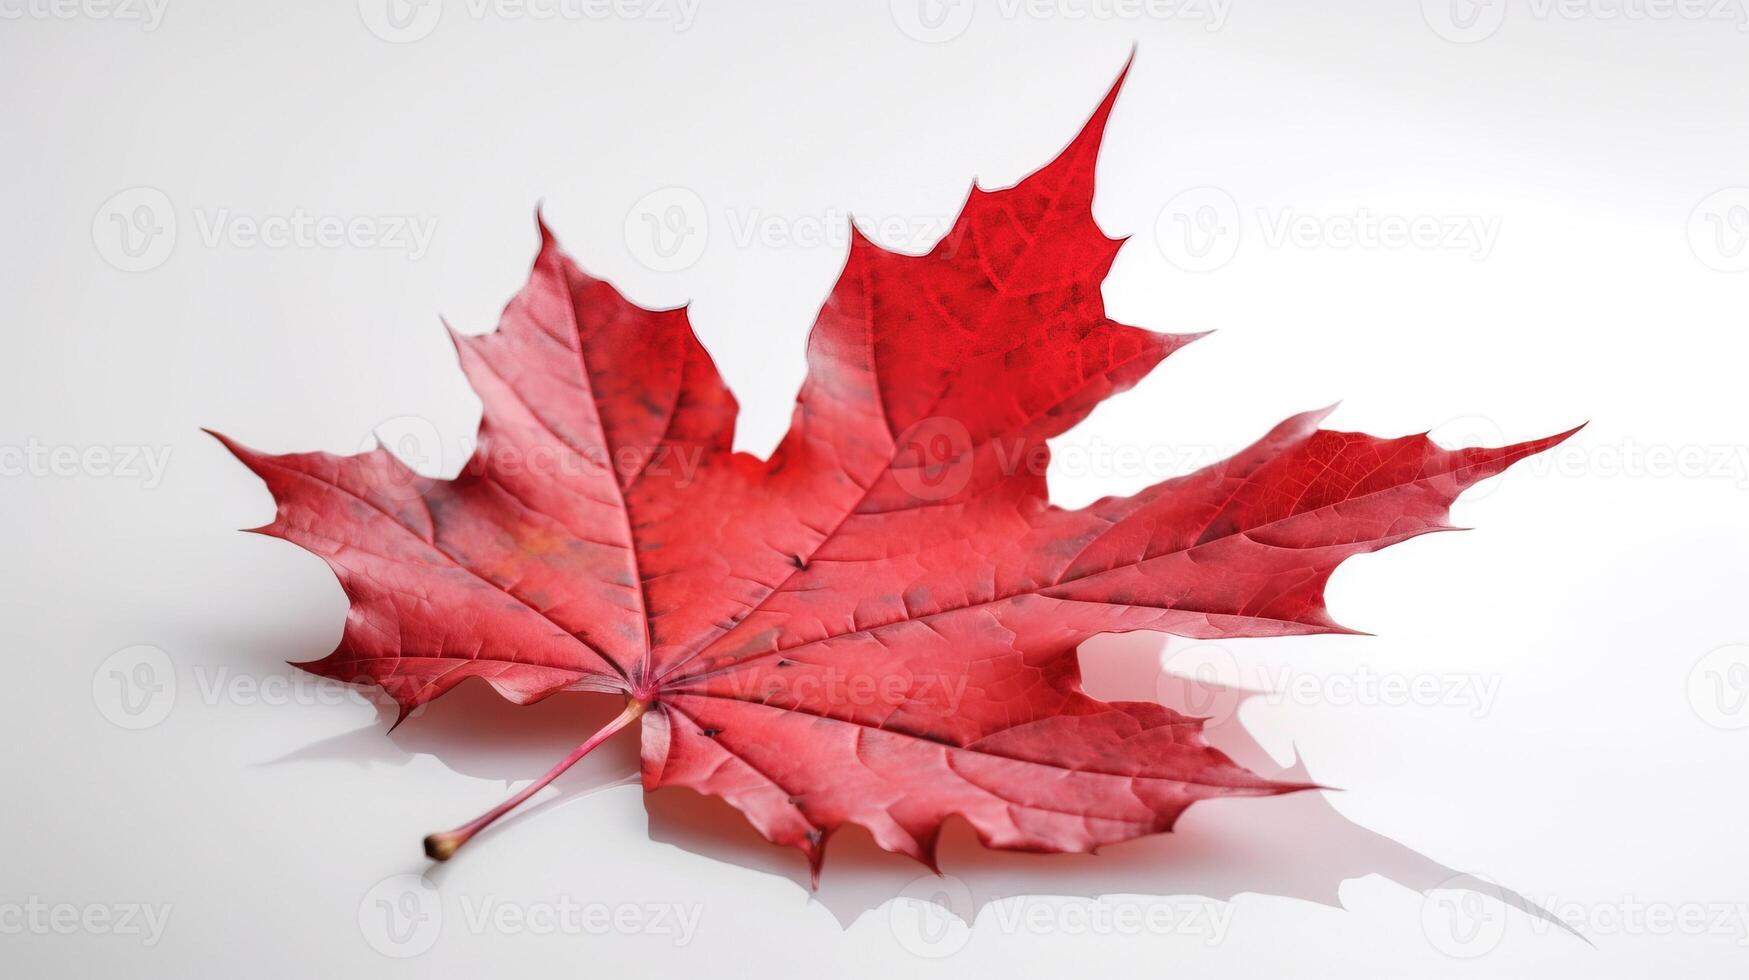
point(1561, 733)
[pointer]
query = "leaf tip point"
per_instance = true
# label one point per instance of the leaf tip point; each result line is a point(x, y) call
point(402, 713)
point(1561, 437)
point(237, 449)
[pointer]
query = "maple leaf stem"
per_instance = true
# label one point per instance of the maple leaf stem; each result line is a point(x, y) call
point(439, 847)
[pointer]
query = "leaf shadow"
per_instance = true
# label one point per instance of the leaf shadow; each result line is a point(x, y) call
point(473, 731)
point(1296, 846)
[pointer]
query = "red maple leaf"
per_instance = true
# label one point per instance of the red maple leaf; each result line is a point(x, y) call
point(879, 625)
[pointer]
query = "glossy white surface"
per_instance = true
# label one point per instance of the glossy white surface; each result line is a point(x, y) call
point(1535, 708)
